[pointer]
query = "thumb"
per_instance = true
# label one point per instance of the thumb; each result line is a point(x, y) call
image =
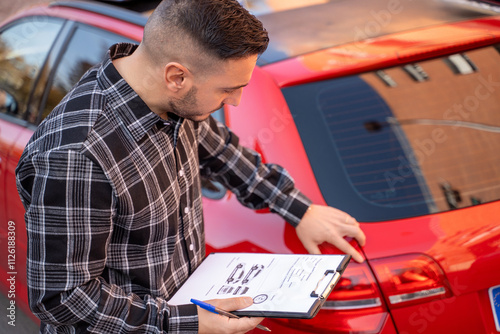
point(232, 304)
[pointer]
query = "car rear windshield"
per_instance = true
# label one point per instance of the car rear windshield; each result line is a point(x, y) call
point(405, 141)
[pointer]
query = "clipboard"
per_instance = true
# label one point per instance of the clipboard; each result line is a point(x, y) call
point(293, 286)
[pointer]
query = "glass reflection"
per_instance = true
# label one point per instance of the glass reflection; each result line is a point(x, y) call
point(23, 50)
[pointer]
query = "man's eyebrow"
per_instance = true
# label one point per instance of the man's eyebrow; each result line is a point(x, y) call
point(236, 87)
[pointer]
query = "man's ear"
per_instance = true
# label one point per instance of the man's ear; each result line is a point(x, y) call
point(176, 76)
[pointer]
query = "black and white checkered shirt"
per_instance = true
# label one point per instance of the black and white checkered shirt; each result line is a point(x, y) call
point(113, 206)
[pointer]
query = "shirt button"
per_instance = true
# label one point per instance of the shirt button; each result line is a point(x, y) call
point(181, 172)
point(186, 209)
point(191, 247)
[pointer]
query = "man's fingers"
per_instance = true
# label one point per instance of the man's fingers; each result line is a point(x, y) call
point(210, 323)
point(353, 221)
point(246, 323)
point(360, 237)
point(326, 224)
point(313, 249)
point(355, 232)
point(232, 304)
point(345, 247)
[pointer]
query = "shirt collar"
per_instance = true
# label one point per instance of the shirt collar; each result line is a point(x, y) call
point(122, 99)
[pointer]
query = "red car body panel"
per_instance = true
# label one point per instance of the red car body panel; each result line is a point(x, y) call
point(452, 239)
point(461, 242)
point(12, 140)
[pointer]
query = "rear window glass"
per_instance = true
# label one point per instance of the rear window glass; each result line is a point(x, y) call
point(405, 141)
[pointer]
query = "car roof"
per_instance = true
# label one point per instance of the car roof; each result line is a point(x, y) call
point(321, 24)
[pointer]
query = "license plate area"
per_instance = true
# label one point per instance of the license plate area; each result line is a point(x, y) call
point(494, 293)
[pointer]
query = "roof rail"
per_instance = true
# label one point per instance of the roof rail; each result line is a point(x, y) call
point(104, 9)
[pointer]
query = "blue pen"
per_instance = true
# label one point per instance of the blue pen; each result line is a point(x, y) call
point(216, 310)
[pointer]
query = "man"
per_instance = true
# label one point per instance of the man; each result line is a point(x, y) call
point(110, 180)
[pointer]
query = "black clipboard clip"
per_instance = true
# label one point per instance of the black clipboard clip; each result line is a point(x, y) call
point(331, 284)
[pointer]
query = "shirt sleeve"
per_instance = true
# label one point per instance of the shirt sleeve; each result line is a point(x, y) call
point(240, 169)
point(69, 212)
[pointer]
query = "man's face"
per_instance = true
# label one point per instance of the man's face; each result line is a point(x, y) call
point(213, 91)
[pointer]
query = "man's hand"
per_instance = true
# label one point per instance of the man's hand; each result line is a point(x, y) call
point(326, 224)
point(211, 323)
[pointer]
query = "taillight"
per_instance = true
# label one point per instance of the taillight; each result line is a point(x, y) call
point(355, 290)
point(354, 306)
point(410, 279)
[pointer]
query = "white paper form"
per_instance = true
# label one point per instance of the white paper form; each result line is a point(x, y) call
point(276, 282)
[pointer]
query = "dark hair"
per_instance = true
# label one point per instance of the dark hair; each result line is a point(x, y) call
point(222, 27)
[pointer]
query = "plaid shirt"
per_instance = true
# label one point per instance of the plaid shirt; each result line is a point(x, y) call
point(114, 211)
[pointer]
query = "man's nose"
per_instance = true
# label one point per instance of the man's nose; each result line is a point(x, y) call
point(234, 98)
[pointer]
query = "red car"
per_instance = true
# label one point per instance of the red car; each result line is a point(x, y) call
point(385, 109)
